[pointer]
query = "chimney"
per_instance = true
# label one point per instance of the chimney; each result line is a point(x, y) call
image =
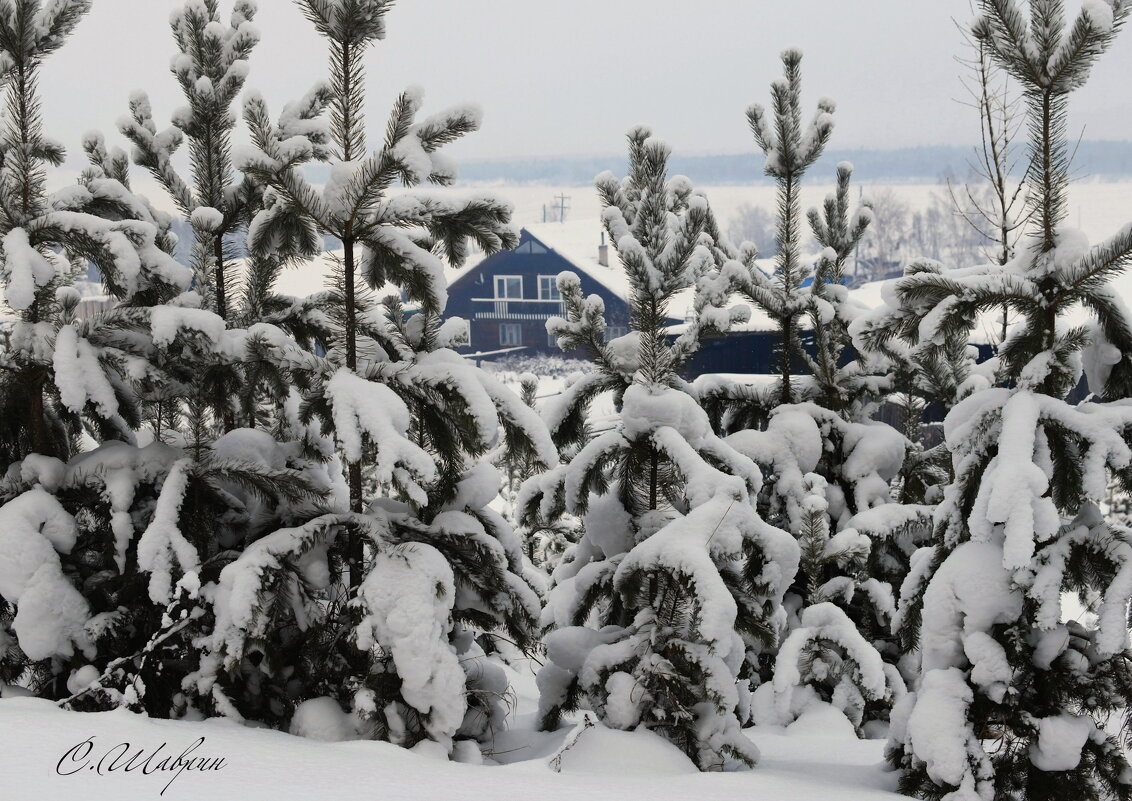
point(603, 252)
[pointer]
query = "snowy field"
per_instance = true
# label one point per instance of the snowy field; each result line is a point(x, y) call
point(43, 757)
point(1099, 208)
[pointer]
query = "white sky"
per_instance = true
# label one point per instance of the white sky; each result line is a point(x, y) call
point(569, 77)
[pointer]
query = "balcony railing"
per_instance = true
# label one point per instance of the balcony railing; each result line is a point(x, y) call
point(516, 308)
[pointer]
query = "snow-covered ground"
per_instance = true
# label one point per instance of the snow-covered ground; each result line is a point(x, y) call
point(1099, 208)
point(43, 756)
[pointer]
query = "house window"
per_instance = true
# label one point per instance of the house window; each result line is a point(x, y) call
point(510, 335)
point(615, 331)
point(509, 287)
point(548, 288)
point(552, 340)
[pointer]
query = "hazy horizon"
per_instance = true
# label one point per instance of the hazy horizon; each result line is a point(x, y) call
point(567, 80)
point(688, 153)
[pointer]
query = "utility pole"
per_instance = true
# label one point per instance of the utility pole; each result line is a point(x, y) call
point(563, 206)
point(857, 247)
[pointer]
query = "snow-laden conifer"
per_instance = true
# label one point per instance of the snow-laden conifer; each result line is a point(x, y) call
point(827, 461)
point(1016, 689)
point(47, 240)
point(211, 67)
point(123, 523)
point(676, 583)
point(383, 603)
point(791, 147)
point(400, 240)
point(925, 378)
point(843, 614)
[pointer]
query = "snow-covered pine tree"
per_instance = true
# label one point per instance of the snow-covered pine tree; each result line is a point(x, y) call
point(841, 617)
point(676, 582)
point(49, 238)
point(790, 148)
point(381, 606)
point(211, 66)
point(66, 376)
point(148, 528)
point(822, 426)
point(405, 652)
point(97, 536)
point(397, 236)
point(841, 387)
point(841, 384)
point(1016, 691)
point(926, 377)
point(544, 541)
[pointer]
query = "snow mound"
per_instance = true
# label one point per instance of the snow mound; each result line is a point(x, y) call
point(594, 749)
point(821, 720)
point(322, 719)
point(603, 765)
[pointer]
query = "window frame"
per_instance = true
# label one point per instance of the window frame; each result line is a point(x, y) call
point(553, 286)
point(496, 283)
point(518, 330)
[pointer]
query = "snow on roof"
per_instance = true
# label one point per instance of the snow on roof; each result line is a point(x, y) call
point(578, 240)
point(454, 274)
point(570, 240)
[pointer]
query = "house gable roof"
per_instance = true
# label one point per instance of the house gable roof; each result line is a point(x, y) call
point(548, 239)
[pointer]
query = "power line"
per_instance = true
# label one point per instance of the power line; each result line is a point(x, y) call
point(563, 206)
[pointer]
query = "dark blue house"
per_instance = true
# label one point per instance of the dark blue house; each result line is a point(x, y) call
point(508, 297)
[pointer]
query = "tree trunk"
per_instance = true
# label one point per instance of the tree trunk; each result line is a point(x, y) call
point(221, 295)
point(354, 469)
point(38, 420)
point(227, 416)
point(351, 144)
point(786, 394)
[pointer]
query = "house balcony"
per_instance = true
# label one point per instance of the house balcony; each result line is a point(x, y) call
point(516, 309)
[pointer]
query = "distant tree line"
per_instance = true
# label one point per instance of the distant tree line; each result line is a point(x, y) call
point(923, 164)
point(937, 231)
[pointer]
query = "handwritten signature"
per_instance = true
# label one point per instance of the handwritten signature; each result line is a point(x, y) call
point(125, 758)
